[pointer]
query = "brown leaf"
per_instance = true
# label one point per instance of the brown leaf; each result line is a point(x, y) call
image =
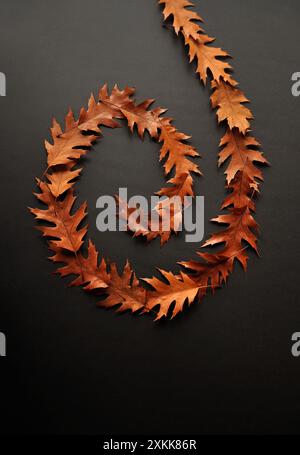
point(72, 144)
point(239, 149)
point(124, 290)
point(63, 148)
point(182, 185)
point(175, 151)
point(208, 59)
point(183, 18)
point(242, 192)
point(88, 273)
point(144, 119)
point(116, 100)
point(178, 290)
point(240, 229)
point(62, 179)
point(212, 272)
point(65, 227)
point(229, 101)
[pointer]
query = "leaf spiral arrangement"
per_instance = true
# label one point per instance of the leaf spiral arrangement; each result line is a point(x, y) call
point(239, 148)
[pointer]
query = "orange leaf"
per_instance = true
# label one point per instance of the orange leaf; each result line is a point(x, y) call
point(58, 213)
point(239, 149)
point(229, 101)
point(62, 179)
point(124, 290)
point(183, 18)
point(178, 290)
point(208, 59)
point(89, 274)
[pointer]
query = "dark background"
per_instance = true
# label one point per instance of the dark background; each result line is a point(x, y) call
point(224, 366)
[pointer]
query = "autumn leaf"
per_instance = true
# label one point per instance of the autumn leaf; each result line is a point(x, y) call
point(62, 150)
point(66, 225)
point(183, 18)
point(62, 179)
point(212, 271)
point(229, 101)
point(242, 190)
point(175, 151)
point(208, 58)
point(124, 290)
point(181, 186)
point(144, 119)
point(240, 149)
point(88, 273)
point(241, 225)
point(178, 290)
point(72, 144)
point(116, 100)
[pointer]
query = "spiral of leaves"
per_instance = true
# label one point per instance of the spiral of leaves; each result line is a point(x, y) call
point(239, 149)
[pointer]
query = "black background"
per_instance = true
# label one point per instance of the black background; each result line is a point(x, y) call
point(224, 366)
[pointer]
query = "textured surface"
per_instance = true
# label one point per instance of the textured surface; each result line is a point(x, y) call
point(225, 366)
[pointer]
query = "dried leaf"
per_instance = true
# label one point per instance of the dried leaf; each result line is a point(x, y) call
point(62, 179)
point(178, 290)
point(229, 101)
point(58, 213)
point(208, 59)
point(88, 273)
point(240, 229)
point(124, 290)
point(183, 18)
point(72, 144)
point(63, 148)
point(239, 149)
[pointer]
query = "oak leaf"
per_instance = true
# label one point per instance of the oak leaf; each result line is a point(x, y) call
point(66, 146)
point(72, 144)
point(88, 273)
point(65, 225)
point(183, 18)
point(229, 102)
point(208, 58)
point(212, 271)
point(242, 190)
point(240, 149)
point(182, 185)
point(178, 290)
point(124, 290)
point(240, 229)
point(175, 151)
point(62, 179)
